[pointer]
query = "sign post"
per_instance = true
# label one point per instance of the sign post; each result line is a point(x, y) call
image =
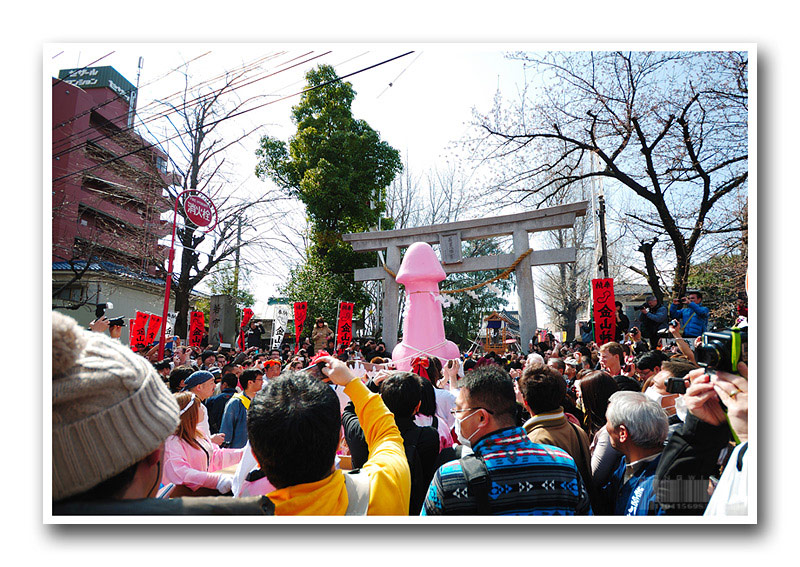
point(200, 210)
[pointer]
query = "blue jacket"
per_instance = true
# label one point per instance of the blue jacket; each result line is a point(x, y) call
point(696, 315)
point(234, 423)
point(216, 407)
point(653, 321)
point(637, 497)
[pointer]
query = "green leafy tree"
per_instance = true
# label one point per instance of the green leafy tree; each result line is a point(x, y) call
point(339, 168)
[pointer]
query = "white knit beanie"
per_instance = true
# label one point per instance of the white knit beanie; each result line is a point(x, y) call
point(110, 408)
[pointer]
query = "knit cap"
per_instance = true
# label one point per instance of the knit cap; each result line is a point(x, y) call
point(196, 379)
point(110, 408)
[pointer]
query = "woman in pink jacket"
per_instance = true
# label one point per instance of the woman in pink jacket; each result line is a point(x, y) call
point(190, 459)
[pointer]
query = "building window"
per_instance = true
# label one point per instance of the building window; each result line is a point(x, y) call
point(161, 164)
point(72, 294)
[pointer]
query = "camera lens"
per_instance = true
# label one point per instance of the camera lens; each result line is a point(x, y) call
point(708, 356)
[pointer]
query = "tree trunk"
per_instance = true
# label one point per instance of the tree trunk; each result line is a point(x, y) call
point(646, 249)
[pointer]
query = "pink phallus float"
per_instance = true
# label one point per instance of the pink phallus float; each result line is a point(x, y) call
point(423, 329)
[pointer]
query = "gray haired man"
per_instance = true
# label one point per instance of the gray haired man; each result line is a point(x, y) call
point(637, 427)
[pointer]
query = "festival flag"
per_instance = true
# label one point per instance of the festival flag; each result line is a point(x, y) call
point(605, 322)
point(279, 324)
point(197, 323)
point(139, 331)
point(153, 328)
point(344, 325)
point(172, 317)
point(247, 314)
point(300, 312)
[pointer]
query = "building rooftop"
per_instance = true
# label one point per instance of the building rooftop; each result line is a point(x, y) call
point(111, 268)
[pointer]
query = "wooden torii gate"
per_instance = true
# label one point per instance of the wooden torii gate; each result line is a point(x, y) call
point(449, 237)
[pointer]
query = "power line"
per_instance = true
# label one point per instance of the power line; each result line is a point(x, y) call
point(151, 145)
point(187, 105)
point(118, 97)
point(67, 139)
point(398, 76)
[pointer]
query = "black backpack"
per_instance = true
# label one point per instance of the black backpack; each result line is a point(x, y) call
point(419, 487)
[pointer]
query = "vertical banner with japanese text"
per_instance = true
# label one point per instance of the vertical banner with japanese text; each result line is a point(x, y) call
point(603, 308)
point(172, 317)
point(300, 312)
point(344, 326)
point(153, 327)
point(247, 314)
point(279, 324)
point(139, 331)
point(197, 323)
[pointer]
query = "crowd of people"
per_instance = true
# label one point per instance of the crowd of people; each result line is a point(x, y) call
point(630, 427)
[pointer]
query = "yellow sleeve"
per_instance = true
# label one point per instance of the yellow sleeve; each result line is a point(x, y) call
point(387, 467)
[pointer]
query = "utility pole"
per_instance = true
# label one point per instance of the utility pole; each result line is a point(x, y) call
point(236, 265)
point(602, 214)
point(135, 95)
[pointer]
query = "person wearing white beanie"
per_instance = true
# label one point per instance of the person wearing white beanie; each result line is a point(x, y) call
point(111, 415)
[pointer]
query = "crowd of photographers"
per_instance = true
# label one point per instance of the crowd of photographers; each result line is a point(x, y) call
point(653, 423)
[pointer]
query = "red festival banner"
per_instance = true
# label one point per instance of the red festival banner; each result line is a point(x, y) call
point(197, 323)
point(344, 326)
point(153, 327)
point(247, 314)
point(300, 312)
point(139, 331)
point(605, 321)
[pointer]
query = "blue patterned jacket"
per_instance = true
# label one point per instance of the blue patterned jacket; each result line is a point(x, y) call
point(526, 479)
point(637, 496)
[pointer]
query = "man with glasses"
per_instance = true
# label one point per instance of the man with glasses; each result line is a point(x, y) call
point(234, 418)
point(506, 473)
point(648, 365)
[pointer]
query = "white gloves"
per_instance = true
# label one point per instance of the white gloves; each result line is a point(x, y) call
point(225, 483)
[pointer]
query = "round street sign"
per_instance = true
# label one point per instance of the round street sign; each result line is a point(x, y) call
point(199, 209)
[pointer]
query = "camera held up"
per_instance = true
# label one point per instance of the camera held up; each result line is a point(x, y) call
point(722, 350)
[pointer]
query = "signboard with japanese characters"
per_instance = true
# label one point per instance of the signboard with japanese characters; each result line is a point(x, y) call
point(223, 320)
point(279, 323)
point(172, 316)
point(196, 327)
point(153, 328)
point(99, 77)
point(344, 326)
point(139, 331)
point(300, 312)
point(450, 248)
point(198, 210)
point(603, 308)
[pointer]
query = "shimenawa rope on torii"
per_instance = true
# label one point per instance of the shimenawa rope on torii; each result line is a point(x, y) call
point(500, 276)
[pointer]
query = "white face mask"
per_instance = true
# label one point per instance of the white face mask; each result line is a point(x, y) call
point(461, 439)
point(680, 408)
point(653, 394)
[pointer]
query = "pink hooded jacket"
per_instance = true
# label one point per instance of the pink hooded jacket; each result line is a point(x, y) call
point(195, 468)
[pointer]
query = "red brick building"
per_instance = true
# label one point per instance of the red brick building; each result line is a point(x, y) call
point(107, 195)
